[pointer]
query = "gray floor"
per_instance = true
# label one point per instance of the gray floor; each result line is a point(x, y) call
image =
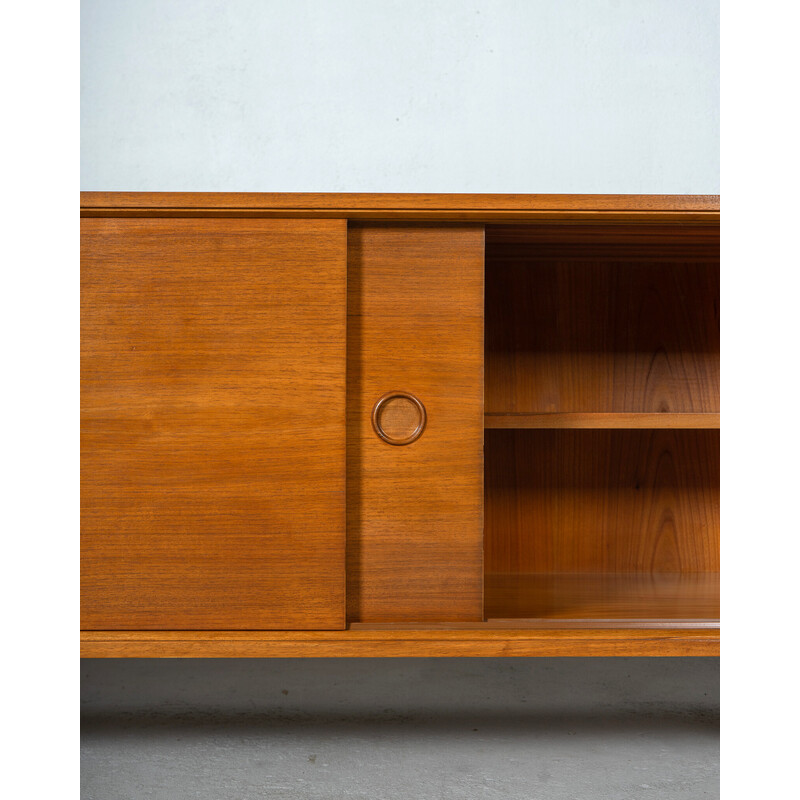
point(387, 729)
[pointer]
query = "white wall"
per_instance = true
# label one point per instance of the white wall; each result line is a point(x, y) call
point(401, 95)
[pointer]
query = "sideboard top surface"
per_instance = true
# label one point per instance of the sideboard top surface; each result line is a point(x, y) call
point(483, 207)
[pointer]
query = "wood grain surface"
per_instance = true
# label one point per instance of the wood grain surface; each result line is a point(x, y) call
point(643, 239)
point(415, 324)
point(399, 643)
point(577, 325)
point(619, 419)
point(213, 424)
point(689, 209)
point(602, 501)
point(632, 599)
point(215, 428)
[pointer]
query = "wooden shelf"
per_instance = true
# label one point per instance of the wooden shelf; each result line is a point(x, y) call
point(620, 420)
point(619, 600)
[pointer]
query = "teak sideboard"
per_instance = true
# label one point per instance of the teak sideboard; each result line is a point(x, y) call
point(399, 425)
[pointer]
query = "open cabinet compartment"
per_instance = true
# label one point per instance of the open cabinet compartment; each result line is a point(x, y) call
point(602, 425)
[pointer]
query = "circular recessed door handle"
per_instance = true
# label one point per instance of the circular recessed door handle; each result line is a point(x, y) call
point(399, 418)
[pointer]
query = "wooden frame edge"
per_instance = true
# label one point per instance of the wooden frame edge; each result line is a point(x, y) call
point(398, 643)
point(454, 207)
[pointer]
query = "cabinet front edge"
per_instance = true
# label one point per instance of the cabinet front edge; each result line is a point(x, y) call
point(481, 207)
point(399, 643)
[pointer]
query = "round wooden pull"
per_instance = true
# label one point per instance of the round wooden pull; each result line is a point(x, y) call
point(399, 418)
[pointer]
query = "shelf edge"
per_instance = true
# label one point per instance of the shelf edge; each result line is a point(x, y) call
point(602, 420)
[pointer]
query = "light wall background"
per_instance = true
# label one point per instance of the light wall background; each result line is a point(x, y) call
point(611, 96)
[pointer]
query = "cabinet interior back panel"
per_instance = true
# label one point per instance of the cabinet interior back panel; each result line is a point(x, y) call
point(213, 423)
point(593, 319)
point(414, 512)
point(600, 501)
